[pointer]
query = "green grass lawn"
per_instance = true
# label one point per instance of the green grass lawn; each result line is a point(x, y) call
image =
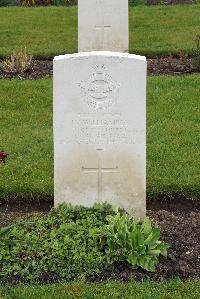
point(26, 119)
point(172, 130)
point(49, 31)
point(112, 290)
point(172, 126)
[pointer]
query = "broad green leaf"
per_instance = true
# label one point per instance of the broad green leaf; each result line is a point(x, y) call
point(146, 226)
point(132, 259)
point(153, 237)
point(154, 252)
point(5, 230)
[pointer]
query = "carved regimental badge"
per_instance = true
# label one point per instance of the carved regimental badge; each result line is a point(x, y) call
point(99, 90)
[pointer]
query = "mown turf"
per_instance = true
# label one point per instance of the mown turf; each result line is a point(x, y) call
point(26, 133)
point(49, 31)
point(112, 290)
point(172, 137)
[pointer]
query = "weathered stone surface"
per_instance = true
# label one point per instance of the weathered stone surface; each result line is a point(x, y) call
point(103, 25)
point(100, 130)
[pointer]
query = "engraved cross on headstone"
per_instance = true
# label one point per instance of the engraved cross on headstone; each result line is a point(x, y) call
point(103, 26)
point(100, 170)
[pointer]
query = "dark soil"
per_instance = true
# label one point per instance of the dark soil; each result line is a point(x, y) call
point(179, 221)
point(181, 229)
point(171, 66)
point(156, 66)
point(38, 69)
point(168, 2)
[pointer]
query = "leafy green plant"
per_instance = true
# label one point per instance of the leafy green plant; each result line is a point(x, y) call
point(76, 243)
point(4, 231)
point(136, 2)
point(134, 242)
point(59, 2)
point(68, 241)
point(9, 2)
point(17, 62)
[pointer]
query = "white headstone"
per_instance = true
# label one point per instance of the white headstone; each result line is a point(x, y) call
point(100, 130)
point(103, 25)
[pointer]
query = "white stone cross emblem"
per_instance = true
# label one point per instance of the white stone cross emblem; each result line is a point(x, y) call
point(100, 170)
point(103, 26)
